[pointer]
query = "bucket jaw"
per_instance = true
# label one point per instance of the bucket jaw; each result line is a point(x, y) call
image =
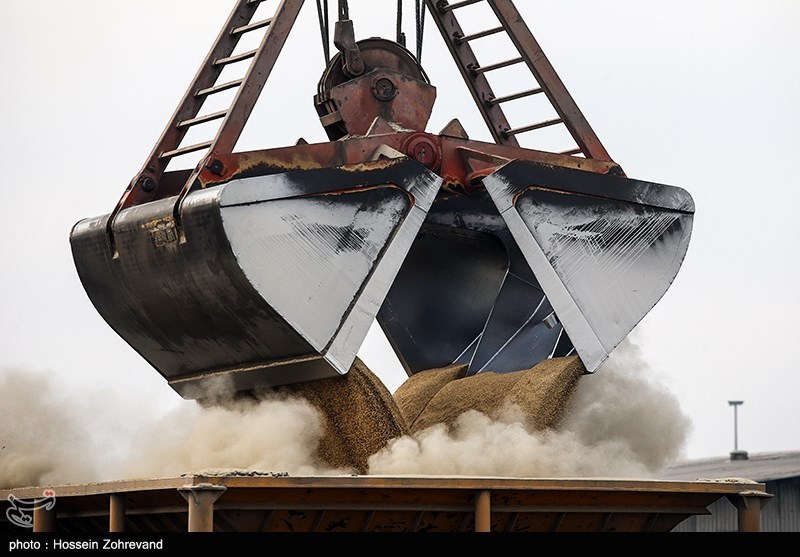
point(276, 280)
point(604, 248)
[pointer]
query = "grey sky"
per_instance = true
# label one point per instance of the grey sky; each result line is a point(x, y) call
point(698, 94)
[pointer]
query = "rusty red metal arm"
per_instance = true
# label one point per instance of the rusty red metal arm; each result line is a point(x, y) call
point(551, 83)
point(452, 163)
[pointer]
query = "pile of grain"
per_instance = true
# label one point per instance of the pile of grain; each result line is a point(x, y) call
point(441, 395)
point(361, 416)
point(414, 395)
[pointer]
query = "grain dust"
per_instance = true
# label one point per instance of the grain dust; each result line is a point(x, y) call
point(359, 414)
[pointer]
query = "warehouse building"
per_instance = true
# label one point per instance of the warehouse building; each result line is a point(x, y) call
point(779, 471)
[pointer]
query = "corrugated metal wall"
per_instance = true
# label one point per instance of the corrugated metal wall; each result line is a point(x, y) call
point(782, 513)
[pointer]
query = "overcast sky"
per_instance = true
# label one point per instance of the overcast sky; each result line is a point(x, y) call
point(698, 94)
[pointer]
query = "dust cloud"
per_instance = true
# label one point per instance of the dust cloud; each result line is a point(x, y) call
point(619, 423)
point(623, 409)
point(39, 442)
point(276, 433)
point(51, 435)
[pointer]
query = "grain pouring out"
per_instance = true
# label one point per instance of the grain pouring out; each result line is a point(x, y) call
point(54, 436)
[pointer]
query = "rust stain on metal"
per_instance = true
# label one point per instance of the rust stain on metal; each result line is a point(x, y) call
point(162, 231)
point(362, 166)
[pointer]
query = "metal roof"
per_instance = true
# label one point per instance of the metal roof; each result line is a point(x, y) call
point(759, 467)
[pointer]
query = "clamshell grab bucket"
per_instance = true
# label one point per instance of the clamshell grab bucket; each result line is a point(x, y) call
point(277, 279)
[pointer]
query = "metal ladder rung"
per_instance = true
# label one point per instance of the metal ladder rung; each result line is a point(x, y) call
point(532, 63)
point(235, 58)
point(523, 129)
point(218, 88)
point(202, 119)
point(492, 67)
point(251, 26)
point(466, 38)
point(207, 81)
point(187, 149)
point(515, 96)
point(457, 5)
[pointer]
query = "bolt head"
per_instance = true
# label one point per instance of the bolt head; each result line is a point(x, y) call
point(147, 184)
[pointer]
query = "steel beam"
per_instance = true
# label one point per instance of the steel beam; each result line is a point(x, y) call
point(483, 511)
point(201, 499)
point(116, 514)
point(44, 518)
point(749, 505)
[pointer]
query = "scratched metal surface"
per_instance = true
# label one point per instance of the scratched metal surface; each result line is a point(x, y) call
point(604, 249)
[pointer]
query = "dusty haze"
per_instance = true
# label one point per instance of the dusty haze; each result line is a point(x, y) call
point(620, 422)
